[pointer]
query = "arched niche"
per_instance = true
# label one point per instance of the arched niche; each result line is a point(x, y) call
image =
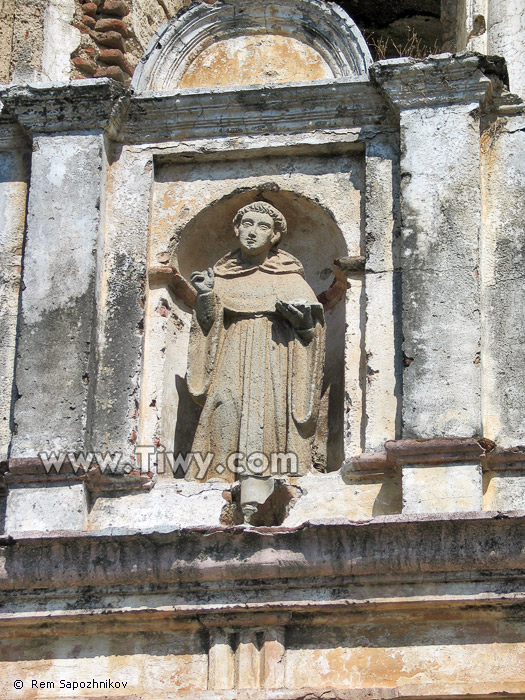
point(316, 240)
point(234, 42)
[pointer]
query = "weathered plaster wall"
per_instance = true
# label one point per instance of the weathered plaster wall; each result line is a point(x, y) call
point(251, 60)
point(149, 663)
point(58, 304)
point(14, 174)
point(28, 40)
point(148, 15)
point(502, 279)
point(506, 37)
point(419, 655)
point(7, 21)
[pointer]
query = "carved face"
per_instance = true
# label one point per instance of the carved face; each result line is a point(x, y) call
point(256, 233)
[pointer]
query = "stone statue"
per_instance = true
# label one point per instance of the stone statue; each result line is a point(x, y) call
point(256, 357)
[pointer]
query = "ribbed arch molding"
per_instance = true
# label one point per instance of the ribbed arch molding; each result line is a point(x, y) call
point(322, 33)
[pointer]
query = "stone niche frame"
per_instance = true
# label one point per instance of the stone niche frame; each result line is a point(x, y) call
point(323, 204)
point(326, 29)
point(183, 177)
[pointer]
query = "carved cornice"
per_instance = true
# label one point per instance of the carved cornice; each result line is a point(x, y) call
point(194, 571)
point(85, 105)
point(444, 79)
point(411, 691)
point(80, 105)
point(511, 459)
point(30, 471)
point(287, 108)
point(355, 103)
point(439, 452)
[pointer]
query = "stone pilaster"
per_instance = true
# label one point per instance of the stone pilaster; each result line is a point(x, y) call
point(14, 173)
point(54, 362)
point(502, 277)
point(57, 322)
point(383, 366)
point(438, 103)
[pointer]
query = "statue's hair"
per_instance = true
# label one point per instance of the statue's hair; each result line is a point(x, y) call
point(263, 208)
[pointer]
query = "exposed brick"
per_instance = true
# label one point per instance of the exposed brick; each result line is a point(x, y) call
point(115, 57)
point(84, 65)
point(88, 21)
point(90, 50)
point(113, 40)
point(111, 25)
point(82, 28)
point(89, 8)
point(118, 8)
point(98, 3)
point(113, 72)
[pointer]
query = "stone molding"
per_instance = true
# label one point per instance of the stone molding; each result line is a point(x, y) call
point(324, 27)
point(30, 471)
point(254, 110)
point(238, 620)
point(11, 135)
point(85, 105)
point(437, 452)
point(345, 103)
point(512, 459)
point(442, 691)
point(80, 105)
point(483, 549)
point(444, 79)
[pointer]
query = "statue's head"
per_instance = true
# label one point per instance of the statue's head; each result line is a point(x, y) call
point(259, 227)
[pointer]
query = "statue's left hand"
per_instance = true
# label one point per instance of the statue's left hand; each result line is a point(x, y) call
point(299, 314)
point(203, 281)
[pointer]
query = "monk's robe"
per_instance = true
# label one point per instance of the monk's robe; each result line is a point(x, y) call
point(258, 379)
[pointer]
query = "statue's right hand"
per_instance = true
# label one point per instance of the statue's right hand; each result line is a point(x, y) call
point(203, 281)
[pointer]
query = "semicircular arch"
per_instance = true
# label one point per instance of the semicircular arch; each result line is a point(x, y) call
point(236, 42)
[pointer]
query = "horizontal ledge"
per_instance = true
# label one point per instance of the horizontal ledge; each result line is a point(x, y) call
point(341, 103)
point(71, 620)
point(438, 545)
point(441, 451)
point(426, 691)
point(30, 471)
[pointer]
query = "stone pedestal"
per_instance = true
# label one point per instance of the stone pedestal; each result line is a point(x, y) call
point(47, 508)
point(441, 475)
point(450, 488)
